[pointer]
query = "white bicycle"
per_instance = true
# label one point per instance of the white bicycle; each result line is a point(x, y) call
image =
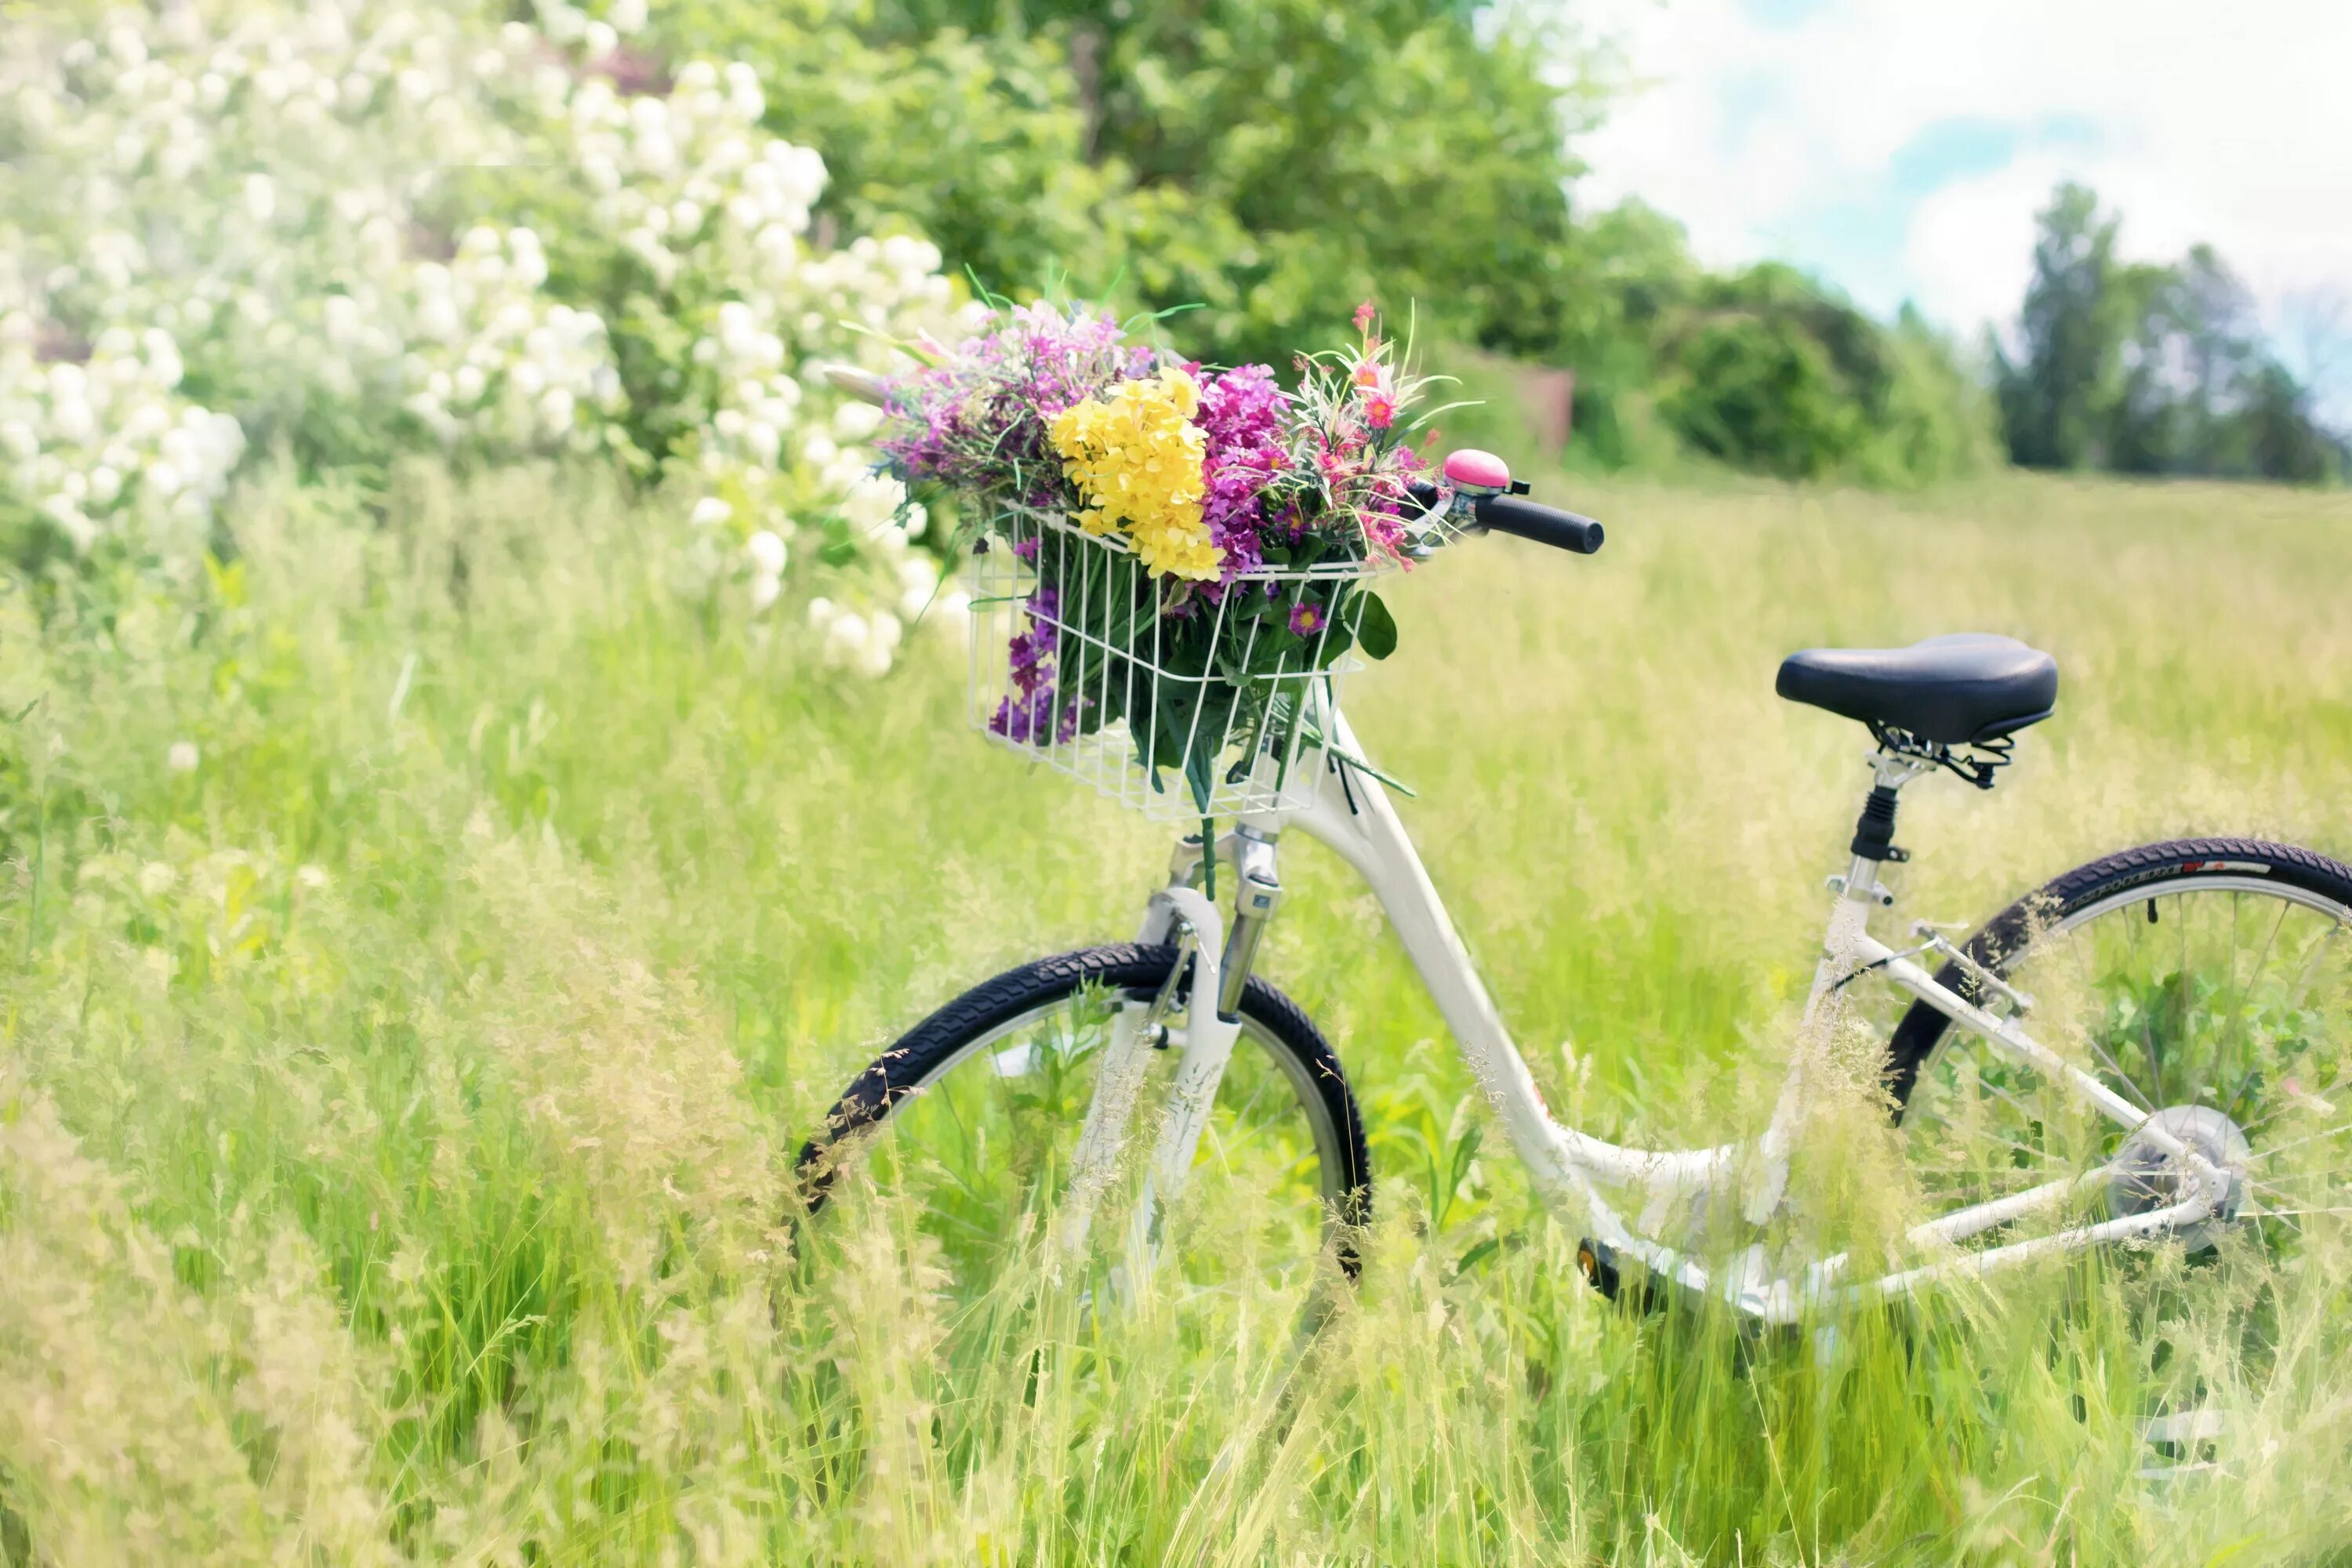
point(2192, 1083)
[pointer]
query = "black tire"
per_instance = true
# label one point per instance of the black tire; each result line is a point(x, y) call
point(941, 1040)
point(2157, 868)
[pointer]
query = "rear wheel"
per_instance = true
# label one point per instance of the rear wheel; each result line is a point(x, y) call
point(972, 1119)
point(2209, 982)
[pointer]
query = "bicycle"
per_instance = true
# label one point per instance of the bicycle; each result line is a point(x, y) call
point(2209, 975)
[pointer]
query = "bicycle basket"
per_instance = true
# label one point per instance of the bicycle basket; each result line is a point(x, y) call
point(1179, 701)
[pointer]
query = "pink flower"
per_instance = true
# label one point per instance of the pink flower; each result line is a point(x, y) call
point(1380, 411)
point(1364, 317)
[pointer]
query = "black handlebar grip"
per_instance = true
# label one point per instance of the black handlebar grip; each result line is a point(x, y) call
point(1544, 524)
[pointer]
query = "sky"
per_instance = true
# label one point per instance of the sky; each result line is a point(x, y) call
point(1901, 148)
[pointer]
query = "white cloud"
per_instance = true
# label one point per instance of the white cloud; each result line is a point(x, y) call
point(2231, 124)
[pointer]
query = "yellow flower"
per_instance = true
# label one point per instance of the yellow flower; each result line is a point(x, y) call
point(1136, 456)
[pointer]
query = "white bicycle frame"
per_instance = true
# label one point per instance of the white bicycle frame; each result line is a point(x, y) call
point(1351, 813)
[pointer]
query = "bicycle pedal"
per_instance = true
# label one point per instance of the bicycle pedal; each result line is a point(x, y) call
point(1597, 1261)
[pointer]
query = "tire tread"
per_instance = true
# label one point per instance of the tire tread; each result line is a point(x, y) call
point(904, 1067)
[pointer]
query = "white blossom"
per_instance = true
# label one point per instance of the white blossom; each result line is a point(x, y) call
point(919, 581)
point(288, 163)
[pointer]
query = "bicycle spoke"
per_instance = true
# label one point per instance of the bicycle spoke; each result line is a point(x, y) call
point(2318, 951)
point(2336, 1084)
point(2130, 1085)
point(2147, 1097)
point(1241, 1117)
point(987, 1145)
point(2224, 1012)
point(2237, 997)
point(2261, 964)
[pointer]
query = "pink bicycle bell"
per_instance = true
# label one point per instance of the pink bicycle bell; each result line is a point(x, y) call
point(1478, 473)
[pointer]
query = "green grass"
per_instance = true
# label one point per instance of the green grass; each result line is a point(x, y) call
point(396, 1112)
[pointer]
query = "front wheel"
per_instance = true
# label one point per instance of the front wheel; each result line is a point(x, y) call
point(2207, 981)
point(973, 1119)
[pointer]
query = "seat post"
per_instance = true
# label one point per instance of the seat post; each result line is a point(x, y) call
point(1873, 831)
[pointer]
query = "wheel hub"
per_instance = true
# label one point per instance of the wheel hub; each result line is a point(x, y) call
point(2145, 1178)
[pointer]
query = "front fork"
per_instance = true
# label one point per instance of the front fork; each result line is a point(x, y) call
point(1221, 957)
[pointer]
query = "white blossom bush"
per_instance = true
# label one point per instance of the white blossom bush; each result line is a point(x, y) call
point(487, 360)
point(359, 228)
point(107, 445)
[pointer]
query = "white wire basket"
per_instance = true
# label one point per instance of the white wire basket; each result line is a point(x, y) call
point(1213, 711)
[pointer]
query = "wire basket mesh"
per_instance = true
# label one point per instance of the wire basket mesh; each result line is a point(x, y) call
point(1179, 702)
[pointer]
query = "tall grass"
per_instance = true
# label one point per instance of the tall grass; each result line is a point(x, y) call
point(397, 1111)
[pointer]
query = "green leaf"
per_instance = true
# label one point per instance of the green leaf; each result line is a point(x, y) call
point(1478, 1254)
point(1198, 772)
point(1376, 631)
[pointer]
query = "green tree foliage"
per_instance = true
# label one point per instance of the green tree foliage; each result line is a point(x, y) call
point(2149, 369)
point(2052, 400)
point(1262, 165)
point(1271, 162)
point(1767, 371)
point(976, 140)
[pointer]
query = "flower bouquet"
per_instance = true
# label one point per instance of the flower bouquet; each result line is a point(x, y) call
point(1175, 562)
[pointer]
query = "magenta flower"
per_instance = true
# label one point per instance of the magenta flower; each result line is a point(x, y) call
point(1308, 619)
point(1242, 413)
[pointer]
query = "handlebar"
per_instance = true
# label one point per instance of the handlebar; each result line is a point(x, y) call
point(1531, 519)
point(1516, 515)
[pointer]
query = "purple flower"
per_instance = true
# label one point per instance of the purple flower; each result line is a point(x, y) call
point(1030, 654)
point(1308, 619)
point(981, 415)
point(1242, 413)
point(1027, 718)
point(1029, 713)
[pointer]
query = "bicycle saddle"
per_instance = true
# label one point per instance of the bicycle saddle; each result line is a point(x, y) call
point(1968, 687)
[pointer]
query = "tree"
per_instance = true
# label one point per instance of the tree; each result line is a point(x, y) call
point(1261, 166)
point(2283, 438)
point(2150, 368)
point(1265, 164)
point(2070, 337)
point(2192, 347)
point(1768, 369)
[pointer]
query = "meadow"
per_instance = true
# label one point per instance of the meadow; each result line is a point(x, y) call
point(425, 951)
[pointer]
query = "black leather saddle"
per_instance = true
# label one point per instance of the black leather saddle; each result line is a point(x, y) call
point(1969, 688)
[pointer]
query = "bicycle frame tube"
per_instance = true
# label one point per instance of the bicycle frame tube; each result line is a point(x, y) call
point(1209, 1040)
point(1356, 818)
point(1352, 814)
